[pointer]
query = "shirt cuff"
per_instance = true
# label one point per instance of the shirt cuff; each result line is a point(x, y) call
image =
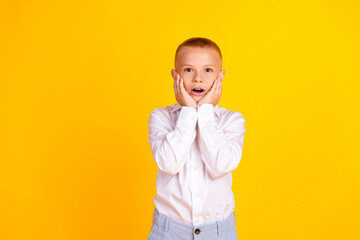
point(187, 119)
point(206, 116)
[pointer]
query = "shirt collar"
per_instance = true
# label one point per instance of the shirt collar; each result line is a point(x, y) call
point(177, 106)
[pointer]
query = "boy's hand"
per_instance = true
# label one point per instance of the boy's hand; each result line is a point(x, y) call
point(213, 96)
point(182, 97)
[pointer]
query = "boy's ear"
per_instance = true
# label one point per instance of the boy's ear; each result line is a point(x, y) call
point(173, 74)
point(222, 74)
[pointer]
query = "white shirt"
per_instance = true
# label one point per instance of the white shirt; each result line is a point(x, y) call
point(195, 151)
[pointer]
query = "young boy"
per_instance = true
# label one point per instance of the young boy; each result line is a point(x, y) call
point(196, 145)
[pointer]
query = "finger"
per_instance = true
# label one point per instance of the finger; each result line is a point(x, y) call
point(216, 83)
point(174, 84)
point(212, 87)
point(182, 88)
point(220, 81)
point(179, 87)
point(218, 87)
point(178, 84)
point(175, 90)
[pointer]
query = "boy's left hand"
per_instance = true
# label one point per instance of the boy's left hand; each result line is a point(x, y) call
point(213, 96)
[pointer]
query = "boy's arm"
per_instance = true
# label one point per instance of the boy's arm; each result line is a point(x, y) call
point(221, 150)
point(170, 147)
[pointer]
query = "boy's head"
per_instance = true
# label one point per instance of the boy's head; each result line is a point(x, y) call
point(198, 61)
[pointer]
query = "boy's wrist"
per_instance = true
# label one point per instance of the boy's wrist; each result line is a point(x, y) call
point(206, 105)
point(193, 106)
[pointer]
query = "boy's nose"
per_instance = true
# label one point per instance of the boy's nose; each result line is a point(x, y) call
point(197, 79)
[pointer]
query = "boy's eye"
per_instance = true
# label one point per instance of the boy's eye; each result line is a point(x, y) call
point(206, 70)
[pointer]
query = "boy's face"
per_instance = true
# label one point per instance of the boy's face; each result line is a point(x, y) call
point(198, 67)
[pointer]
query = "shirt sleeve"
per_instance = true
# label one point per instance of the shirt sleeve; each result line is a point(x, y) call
point(221, 148)
point(170, 147)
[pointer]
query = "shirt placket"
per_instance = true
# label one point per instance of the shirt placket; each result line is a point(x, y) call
point(195, 185)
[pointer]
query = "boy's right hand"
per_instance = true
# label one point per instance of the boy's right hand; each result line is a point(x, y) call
point(182, 97)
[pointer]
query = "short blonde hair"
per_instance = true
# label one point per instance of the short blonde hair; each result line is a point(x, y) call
point(198, 42)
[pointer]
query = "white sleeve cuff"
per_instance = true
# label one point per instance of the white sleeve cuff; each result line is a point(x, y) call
point(187, 119)
point(206, 116)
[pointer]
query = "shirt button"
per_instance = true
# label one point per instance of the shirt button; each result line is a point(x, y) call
point(197, 231)
point(195, 167)
point(197, 195)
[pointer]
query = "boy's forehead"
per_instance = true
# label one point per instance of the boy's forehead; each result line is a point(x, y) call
point(203, 54)
point(195, 50)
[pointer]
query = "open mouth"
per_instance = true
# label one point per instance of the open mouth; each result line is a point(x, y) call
point(198, 90)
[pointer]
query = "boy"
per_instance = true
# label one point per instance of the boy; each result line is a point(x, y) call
point(196, 145)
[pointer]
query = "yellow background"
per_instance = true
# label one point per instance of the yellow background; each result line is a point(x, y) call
point(79, 79)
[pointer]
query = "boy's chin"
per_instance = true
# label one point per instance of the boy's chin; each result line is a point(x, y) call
point(197, 98)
